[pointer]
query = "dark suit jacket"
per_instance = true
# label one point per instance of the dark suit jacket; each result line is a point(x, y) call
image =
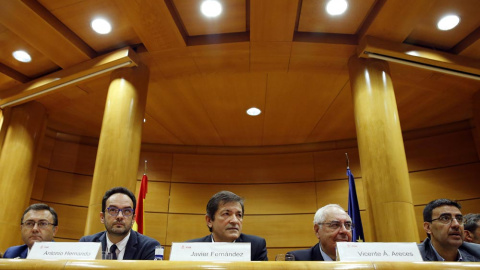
point(139, 246)
point(16, 252)
point(470, 252)
point(258, 245)
point(309, 254)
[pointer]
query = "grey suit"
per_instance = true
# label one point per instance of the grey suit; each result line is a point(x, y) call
point(470, 252)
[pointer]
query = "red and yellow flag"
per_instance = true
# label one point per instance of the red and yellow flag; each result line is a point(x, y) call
point(139, 211)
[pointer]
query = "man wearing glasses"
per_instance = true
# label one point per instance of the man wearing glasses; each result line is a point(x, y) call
point(119, 239)
point(331, 224)
point(443, 223)
point(39, 224)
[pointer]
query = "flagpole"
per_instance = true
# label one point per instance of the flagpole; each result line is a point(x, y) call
point(348, 161)
point(353, 208)
point(139, 209)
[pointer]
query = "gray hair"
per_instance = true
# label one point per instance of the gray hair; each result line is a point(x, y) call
point(320, 215)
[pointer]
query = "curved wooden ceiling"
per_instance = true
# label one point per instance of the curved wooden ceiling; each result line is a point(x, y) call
point(286, 57)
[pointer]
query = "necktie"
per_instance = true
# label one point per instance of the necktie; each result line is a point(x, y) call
point(113, 250)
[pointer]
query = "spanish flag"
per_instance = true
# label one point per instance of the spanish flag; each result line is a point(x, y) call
point(139, 211)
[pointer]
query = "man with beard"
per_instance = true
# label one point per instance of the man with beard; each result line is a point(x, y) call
point(331, 224)
point(443, 223)
point(224, 220)
point(39, 223)
point(118, 215)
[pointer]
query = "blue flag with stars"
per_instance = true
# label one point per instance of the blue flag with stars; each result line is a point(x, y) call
point(354, 210)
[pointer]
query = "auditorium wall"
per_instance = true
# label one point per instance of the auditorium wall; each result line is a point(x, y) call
point(282, 187)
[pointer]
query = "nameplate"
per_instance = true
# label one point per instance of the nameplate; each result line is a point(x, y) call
point(360, 251)
point(66, 250)
point(203, 251)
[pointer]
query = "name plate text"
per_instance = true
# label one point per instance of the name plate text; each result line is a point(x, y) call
point(360, 251)
point(202, 251)
point(66, 250)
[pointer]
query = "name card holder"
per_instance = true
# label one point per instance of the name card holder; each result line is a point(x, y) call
point(66, 250)
point(374, 251)
point(203, 251)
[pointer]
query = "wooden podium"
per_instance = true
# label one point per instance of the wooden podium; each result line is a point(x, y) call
point(22, 264)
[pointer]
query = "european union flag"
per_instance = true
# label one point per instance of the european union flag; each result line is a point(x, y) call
point(354, 210)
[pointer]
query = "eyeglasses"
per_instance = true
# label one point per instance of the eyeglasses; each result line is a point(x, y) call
point(42, 224)
point(113, 211)
point(447, 219)
point(335, 225)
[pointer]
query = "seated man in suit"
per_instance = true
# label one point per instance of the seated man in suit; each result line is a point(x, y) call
point(118, 216)
point(471, 228)
point(443, 223)
point(224, 219)
point(39, 224)
point(331, 224)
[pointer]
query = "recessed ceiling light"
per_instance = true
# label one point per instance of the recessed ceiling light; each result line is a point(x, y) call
point(336, 7)
point(253, 111)
point(211, 8)
point(22, 56)
point(448, 22)
point(101, 26)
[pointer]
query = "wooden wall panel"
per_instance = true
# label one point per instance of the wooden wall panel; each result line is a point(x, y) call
point(192, 198)
point(259, 199)
point(159, 166)
point(39, 185)
point(470, 206)
point(243, 168)
point(46, 151)
point(67, 188)
point(182, 227)
point(157, 197)
point(452, 182)
point(282, 230)
point(366, 226)
point(166, 252)
point(73, 157)
point(156, 226)
point(71, 220)
point(441, 151)
point(337, 192)
point(331, 164)
point(419, 216)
